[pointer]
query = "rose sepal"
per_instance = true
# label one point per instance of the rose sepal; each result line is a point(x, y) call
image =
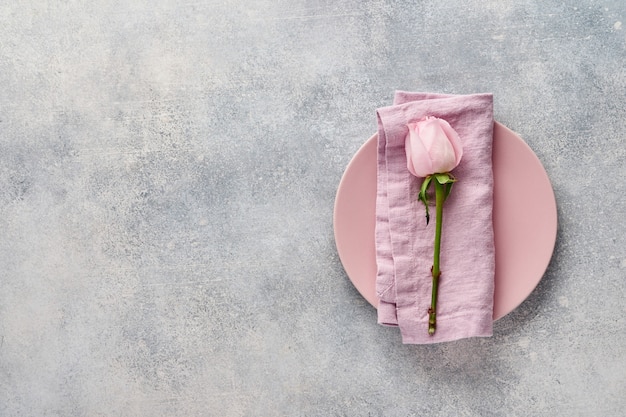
point(423, 197)
point(446, 179)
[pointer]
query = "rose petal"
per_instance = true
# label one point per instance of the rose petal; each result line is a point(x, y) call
point(439, 147)
point(417, 152)
point(409, 160)
point(455, 140)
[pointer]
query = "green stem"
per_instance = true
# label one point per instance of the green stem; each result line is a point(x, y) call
point(440, 197)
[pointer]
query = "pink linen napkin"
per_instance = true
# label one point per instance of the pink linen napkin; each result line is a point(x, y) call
point(404, 243)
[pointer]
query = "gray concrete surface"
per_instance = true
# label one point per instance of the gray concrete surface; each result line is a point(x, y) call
point(167, 178)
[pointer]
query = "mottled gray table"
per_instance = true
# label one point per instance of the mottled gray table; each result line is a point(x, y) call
point(167, 179)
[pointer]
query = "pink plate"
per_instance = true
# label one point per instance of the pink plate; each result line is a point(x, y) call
point(525, 220)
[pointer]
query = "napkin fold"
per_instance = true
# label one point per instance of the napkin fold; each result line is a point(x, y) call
point(404, 243)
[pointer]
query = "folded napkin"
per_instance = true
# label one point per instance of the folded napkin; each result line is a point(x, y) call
point(404, 243)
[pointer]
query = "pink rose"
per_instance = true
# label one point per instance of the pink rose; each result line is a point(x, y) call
point(432, 147)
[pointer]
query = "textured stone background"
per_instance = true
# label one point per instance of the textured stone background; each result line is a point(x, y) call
point(167, 179)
